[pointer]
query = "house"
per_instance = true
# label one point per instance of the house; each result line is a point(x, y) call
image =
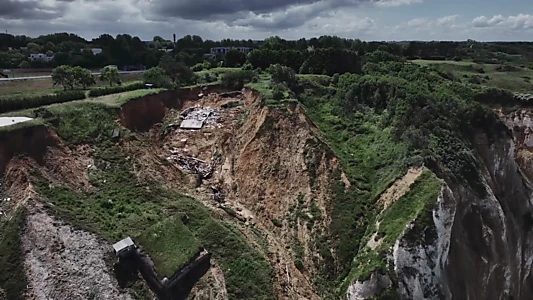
point(224, 50)
point(41, 57)
point(123, 247)
point(95, 51)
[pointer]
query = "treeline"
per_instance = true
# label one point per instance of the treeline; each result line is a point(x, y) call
point(130, 52)
point(326, 61)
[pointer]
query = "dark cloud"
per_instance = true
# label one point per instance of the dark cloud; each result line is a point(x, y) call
point(205, 9)
point(34, 9)
point(260, 14)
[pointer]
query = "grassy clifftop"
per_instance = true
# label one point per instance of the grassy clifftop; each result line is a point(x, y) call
point(380, 123)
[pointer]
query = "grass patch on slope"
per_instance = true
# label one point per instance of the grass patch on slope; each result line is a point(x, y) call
point(12, 278)
point(371, 159)
point(120, 206)
point(170, 243)
point(414, 205)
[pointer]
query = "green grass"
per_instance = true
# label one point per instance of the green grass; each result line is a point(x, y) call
point(123, 98)
point(111, 101)
point(24, 94)
point(491, 75)
point(424, 62)
point(170, 243)
point(120, 206)
point(371, 159)
point(416, 204)
point(12, 278)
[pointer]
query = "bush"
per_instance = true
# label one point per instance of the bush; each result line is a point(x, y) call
point(198, 67)
point(237, 79)
point(158, 78)
point(277, 94)
point(97, 92)
point(283, 74)
point(11, 104)
point(248, 67)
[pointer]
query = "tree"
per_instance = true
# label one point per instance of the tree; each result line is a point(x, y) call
point(24, 65)
point(235, 58)
point(110, 74)
point(83, 77)
point(283, 74)
point(158, 77)
point(64, 76)
point(178, 72)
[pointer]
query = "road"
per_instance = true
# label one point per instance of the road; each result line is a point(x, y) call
point(50, 76)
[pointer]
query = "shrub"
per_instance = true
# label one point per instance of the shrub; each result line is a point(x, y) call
point(96, 92)
point(248, 67)
point(198, 67)
point(282, 74)
point(237, 79)
point(11, 104)
point(158, 78)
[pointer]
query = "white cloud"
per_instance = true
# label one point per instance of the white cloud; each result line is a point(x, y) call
point(428, 24)
point(447, 21)
point(395, 3)
point(520, 21)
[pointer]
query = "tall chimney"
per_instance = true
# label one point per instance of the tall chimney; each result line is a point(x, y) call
point(174, 38)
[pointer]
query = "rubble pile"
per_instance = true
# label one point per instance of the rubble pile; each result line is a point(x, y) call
point(204, 116)
point(191, 164)
point(194, 165)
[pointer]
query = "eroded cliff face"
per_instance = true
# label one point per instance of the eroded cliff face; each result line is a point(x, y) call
point(478, 246)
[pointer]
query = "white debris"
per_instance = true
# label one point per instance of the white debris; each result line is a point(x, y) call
point(197, 117)
point(6, 121)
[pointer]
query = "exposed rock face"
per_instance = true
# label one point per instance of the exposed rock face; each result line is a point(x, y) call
point(419, 267)
point(375, 285)
point(483, 245)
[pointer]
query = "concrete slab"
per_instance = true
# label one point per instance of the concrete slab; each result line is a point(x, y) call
point(7, 121)
point(191, 124)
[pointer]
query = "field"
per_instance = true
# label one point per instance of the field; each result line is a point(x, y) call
point(424, 62)
point(512, 77)
point(45, 86)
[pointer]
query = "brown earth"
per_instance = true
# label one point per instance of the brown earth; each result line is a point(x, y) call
point(268, 158)
point(268, 163)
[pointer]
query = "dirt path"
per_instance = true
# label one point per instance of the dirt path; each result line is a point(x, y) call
point(391, 195)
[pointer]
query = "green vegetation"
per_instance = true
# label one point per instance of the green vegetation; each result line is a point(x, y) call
point(70, 77)
point(394, 116)
point(170, 243)
point(96, 92)
point(17, 103)
point(12, 277)
point(505, 76)
point(110, 74)
point(415, 204)
point(237, 79)
point(158, 78)
point(119, 206)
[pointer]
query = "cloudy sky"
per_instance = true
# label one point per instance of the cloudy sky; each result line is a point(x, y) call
point(291, 19)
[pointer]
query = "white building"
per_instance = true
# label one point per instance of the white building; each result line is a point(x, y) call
point(95, 51)
point(41, 57)
point(224, 50)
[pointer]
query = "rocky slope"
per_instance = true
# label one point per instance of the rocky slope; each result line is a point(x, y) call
point(479, 246)
point(259, 187)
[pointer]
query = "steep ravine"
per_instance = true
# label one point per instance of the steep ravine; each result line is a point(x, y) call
point(477, 247)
